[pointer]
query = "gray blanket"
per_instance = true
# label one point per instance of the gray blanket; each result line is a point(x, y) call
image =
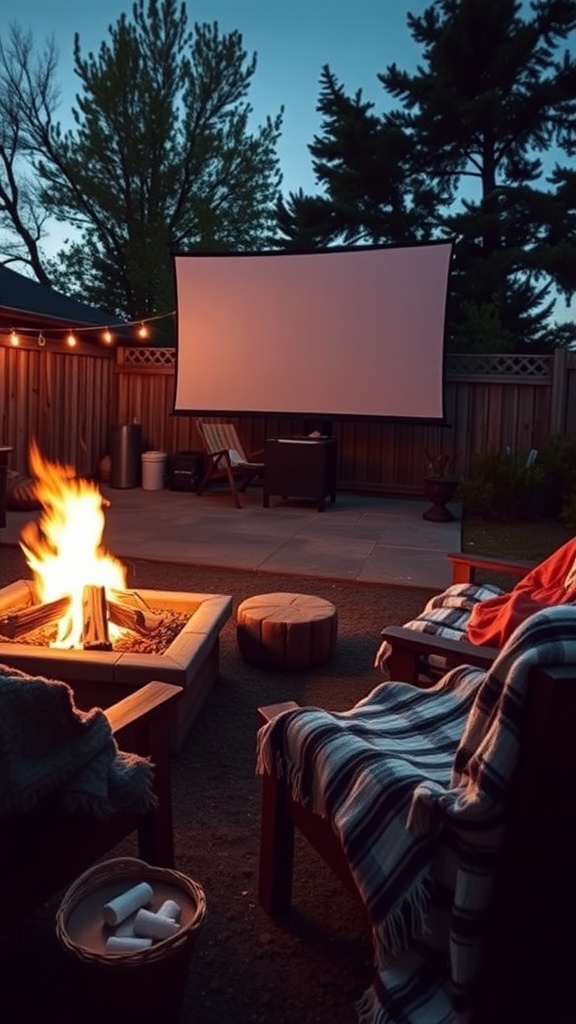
point(48, 747)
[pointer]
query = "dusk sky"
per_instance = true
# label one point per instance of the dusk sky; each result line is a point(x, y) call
point(293, 39)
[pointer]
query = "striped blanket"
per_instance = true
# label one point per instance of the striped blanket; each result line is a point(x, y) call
point(445, 615)
point(415, 784)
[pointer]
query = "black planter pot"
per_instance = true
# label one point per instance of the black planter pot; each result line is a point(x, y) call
point(439, 490)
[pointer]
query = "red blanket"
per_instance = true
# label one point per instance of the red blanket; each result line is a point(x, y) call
point(493, 621)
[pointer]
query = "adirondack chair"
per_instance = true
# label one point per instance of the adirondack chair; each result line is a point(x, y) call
point(418, 650)
point(527, 974)
point(226, 458)
point(43, 849)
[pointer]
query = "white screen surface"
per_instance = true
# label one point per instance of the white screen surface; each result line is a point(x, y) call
point(341, 332)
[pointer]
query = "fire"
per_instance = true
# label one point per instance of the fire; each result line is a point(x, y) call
point(65, 550)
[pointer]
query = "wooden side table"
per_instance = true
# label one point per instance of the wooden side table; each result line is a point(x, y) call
point(301, 467)
point(4, 455)
point(286, 631)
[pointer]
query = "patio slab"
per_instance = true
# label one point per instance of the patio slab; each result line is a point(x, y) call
point(373, 539)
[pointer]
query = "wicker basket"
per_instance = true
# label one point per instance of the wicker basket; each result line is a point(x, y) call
point(140, 984)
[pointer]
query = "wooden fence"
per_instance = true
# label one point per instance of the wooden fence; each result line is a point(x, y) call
point(69, 400)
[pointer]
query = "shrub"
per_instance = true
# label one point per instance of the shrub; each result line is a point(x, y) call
point(503, 485)
point(568, 511)
point(557, 461)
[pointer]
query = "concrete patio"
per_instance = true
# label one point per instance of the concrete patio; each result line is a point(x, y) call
point(370, 539)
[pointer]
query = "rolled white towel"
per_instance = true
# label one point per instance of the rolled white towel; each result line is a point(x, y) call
point(126, 943)
point(126, 903)
point(154, 925)
point(126, 927)
point(170, 909)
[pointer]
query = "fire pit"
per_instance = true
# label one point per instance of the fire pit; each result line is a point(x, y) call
point(82, 589)
point(190, 661)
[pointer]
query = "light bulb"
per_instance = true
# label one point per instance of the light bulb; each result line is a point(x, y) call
point(142, 330)
point(71, 340)
point(107, 336)
point(14, 339)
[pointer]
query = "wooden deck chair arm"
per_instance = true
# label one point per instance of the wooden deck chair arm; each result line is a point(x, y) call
point(219, 453)
point(410, 647)
point(466, 565)
point(140, 706)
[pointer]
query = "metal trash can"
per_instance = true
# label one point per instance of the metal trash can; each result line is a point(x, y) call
point(125, 448)
point(153, 464)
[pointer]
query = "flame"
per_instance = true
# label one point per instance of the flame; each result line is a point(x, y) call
point(64, 551)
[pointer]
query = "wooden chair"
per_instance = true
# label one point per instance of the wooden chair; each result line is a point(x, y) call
point(412, 651)
point(528, 967)
point(528, 938)
point(226, 458)
point(43, 849)
point(283, 815)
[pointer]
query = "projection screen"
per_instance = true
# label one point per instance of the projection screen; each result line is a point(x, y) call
point(333, 333)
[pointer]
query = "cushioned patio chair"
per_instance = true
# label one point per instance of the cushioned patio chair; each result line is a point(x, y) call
point(44, 848)
point(226, 458)
point(524, 706)
point(470, 620)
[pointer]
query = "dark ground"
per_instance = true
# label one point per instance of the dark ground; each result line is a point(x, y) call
point(246, 968)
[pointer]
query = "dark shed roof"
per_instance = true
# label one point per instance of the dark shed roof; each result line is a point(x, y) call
point(21, 297)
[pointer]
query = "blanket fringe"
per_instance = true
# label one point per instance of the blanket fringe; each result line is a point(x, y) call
point(404, 922)
point(369, 1009)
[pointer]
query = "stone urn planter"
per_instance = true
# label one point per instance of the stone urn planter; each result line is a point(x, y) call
point(439, 486)
point(439, 490)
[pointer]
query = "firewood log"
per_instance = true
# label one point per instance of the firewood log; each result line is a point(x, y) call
point(125, 612)
point(95, 619)
point(26, 620)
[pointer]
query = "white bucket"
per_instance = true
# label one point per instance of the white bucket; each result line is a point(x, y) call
point(153, 464)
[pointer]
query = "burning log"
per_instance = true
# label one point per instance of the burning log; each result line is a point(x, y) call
point(26, 620)
point(123, 611)
point(95, 621)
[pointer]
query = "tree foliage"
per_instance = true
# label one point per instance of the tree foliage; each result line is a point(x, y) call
point(462, 154)
point(161, 158)
point(27, 93)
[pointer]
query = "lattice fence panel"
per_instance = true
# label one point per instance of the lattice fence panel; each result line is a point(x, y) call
point(485, 364)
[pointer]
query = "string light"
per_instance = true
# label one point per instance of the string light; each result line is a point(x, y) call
point(106, 335)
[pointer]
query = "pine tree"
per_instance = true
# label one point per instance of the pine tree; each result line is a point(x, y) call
point(463, 156)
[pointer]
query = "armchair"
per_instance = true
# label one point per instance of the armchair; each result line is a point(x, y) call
point(523, 973)
point(43, 849)
point(470, 621)
point(225, 457)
